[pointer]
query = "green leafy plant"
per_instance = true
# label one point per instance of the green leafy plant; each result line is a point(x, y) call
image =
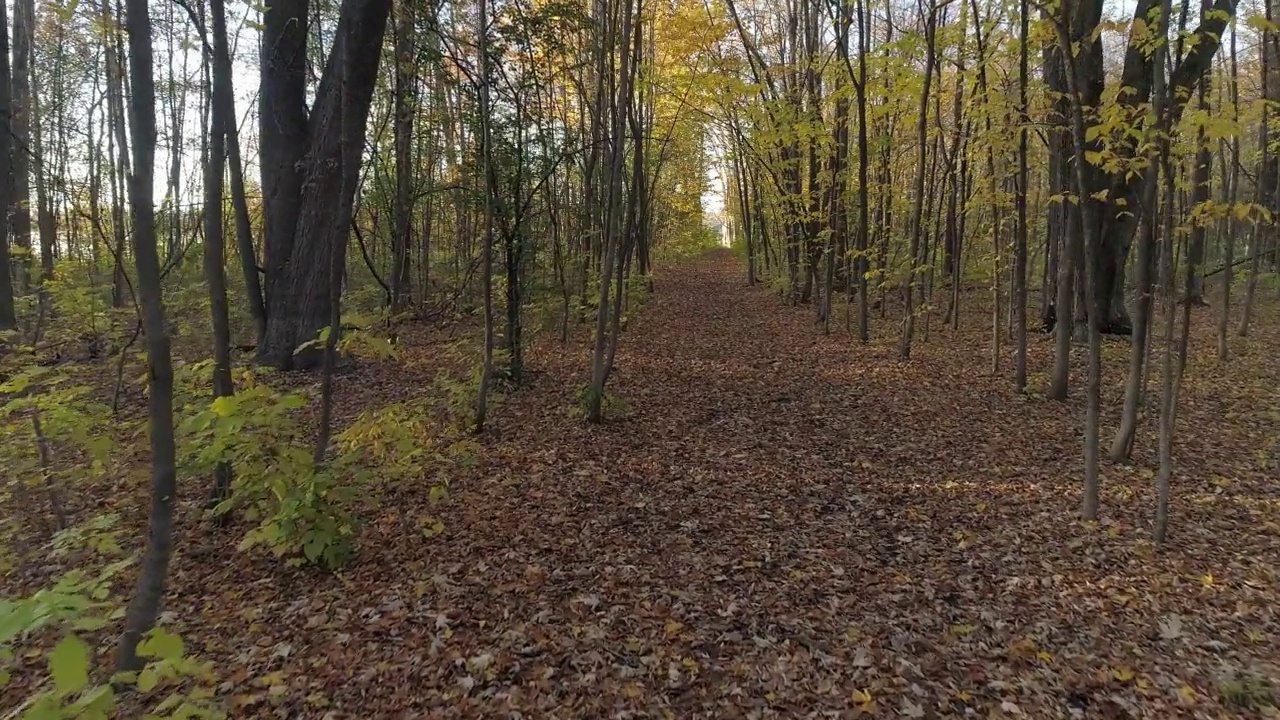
point(43, 416)
point(301, 511)
point(80, 603)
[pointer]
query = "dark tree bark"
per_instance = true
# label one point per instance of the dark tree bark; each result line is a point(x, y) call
point(490, 191)
point(144, 606)
point(225, 116)
point(117, 151)
point(1230, 224)
point(1117, 222)
point(863, 263)
point(404, 113)
point(1020, 249)
point(282, 134)
point(20, 127)
point(214, 244)
point(298, 301)
point(8, 319)
point(1077, 75)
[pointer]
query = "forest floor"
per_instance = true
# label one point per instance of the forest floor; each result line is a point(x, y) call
point(783, 523)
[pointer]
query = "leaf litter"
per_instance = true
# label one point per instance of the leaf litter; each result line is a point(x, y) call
point(781, 524)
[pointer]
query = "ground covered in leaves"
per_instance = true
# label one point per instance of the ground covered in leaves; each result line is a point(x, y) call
point(782, 523)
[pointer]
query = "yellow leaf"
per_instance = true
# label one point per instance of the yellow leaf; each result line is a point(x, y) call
point(964, 696)
point(1207, 580)
point(1254, 636)
point(1123, 673)
point(690, 664)
point(962, 629)
point(860, 697)
point(1044, 656)
point(1025, 646)
point(673, 628)
point(1187, 694)
point(632, 690)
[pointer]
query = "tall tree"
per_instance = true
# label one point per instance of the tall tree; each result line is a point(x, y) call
point(144, 606)
point(24, 12)
point(8, 318)
point(303, 183)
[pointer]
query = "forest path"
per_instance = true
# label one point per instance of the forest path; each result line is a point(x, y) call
point(786, 524)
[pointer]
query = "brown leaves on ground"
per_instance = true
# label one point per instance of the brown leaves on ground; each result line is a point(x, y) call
point(784, 524)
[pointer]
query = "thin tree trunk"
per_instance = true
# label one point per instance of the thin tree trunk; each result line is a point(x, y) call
point(1261, 227)
point(922, 134)
point(144, 607)
point(1089, 505)
point(224, 108)
point(20, 125)
point(214, 256)
point(404, 113)
point(1233, 184)
point(486, 167)
point(1020, 250)
point(8, 316)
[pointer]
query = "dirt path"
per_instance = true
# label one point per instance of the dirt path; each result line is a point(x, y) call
point(783, 524)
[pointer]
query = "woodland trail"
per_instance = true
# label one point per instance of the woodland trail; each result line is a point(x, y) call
point(781, 524)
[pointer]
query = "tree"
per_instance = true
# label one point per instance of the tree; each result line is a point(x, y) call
point(214, 242)
point(144, 606)
point(303, 175)
point(8, 319)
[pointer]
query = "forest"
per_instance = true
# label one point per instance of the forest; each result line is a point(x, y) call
point(639, 358)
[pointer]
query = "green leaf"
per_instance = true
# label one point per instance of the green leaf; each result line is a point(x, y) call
point(46, 708)
point(89, 624)
point(161, 645)
point(438, 492)
point(69, 665)
point(148, 679)
point(225, 406)
point(100, 700)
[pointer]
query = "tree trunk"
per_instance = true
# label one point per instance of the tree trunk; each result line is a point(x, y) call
point(144, 606)
point(117, 151)
point(8, 317)
point(490, 191)
point(1076, 81)
point(298, 299)
point(282, 140)
point(20, 120)
point(1267, 189)
point(1232, 196)
point(225, 115)
point(215, 244)
point(404, 113)
point(1020, 249)
point(917, 222)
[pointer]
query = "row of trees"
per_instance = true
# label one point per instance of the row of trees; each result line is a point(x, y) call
point(912, 148)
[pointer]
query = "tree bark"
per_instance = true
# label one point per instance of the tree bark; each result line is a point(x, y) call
point(144, 607)
point(917, 220)
point(214, 246)
point(8, 316)
point(404, 113)
point(298, 300)
point(20, 120)
point(486, 167)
